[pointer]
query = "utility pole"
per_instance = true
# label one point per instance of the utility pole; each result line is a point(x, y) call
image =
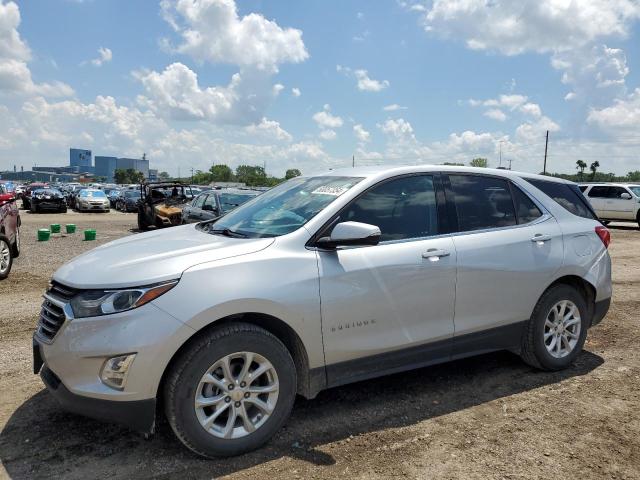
point(353, 161)
point(192, 175)
point(500, 163)
point(546, 145)
point(510, 163)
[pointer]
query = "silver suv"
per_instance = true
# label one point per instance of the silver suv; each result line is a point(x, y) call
point(321, 281)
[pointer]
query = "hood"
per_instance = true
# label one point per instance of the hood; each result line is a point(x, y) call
point(152, 257)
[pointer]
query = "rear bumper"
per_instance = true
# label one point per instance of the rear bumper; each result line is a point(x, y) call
point(137, 414)
point(600, 311)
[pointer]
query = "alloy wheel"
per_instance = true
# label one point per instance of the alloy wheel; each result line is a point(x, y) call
point(5, 256)
point(562, 328)
point(236, 395)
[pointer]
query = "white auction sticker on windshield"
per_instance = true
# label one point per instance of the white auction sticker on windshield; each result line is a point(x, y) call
point(330, 190)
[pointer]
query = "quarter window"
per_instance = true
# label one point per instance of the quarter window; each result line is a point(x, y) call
point(566, 195)
point(599, 192)
point(526, 210)
point(482, 202)
point(402, 208)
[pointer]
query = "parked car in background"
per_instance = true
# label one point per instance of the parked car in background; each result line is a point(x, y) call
point(9, 231)
point(161, 204)
point(215, 203)
point(113, 196)
point(128, 201)
point(614, 201)
point(321, 281)
point(49, 199)
point(26, 196)
point(92, 200)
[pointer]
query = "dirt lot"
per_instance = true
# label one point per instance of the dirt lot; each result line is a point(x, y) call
point(486, 417)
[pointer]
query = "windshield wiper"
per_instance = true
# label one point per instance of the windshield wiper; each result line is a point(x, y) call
point(227, 233)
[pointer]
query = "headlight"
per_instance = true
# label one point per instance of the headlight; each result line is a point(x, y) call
point(93, 303)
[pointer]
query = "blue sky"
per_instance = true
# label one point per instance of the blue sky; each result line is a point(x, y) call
point(309, 84)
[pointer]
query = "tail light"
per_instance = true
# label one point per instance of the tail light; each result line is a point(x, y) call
point(604, 234)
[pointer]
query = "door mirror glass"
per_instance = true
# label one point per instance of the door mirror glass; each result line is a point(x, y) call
point(625, 196)
point(351, 234)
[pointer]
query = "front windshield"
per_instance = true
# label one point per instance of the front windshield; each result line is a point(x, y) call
point(636, 190)
point(92, 193)
point(284, 208)
point(132, 194)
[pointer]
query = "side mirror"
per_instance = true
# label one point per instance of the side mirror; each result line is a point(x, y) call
point(351, 234)
point(626, 196)
point(7, 197)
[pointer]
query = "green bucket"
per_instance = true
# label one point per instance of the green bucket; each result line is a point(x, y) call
point(55, 228)
point(90, 234)
point(71, 227)
point(43, 234)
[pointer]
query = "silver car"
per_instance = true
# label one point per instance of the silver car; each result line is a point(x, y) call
point(321, 281)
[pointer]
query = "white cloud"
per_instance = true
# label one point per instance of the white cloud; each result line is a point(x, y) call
point(296, 92)
point(399, 129)
point(623, 117)
point(175, 93)
point(212, 30)
point(15, 75)
point(364, 82)
point(328, 134)
point(277, 88)
point(393, 107)
point(104, 55)
point(270, 129)
point(495, 114)
point(539, 26)
point(361, 134)
point(326, 120)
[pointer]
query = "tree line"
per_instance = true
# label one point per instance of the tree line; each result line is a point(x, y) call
point(250, 175)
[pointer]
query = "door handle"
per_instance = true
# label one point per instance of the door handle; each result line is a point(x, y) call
point(540, 238)
point(434, 254)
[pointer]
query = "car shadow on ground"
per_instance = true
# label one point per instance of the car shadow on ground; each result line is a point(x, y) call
point(41, 440)
point(628, 227)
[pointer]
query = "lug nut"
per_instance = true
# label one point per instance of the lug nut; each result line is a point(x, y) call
point(243, 384)
point(246, 394)
point(237, 404)
point(227, 399)
point(231, 386)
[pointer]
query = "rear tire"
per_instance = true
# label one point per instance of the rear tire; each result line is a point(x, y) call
point(16, 244)
point(186, 382)
point(142, 222)
point(605, 222)
point(541, 331)
point(6, 257)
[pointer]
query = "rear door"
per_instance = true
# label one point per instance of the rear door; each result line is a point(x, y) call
point(597, 197)
point(508, 249)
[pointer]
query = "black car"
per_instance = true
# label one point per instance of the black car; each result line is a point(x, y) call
point(127, 201)
point(48, 199)
point(215, 203)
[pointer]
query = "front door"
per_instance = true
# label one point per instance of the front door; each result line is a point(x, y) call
point(389, 306)
point(617, 207)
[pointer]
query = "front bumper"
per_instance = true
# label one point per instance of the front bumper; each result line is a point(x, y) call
point(138, 415)
point(71, 363)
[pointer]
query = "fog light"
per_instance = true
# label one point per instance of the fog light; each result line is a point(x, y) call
point(115, 369)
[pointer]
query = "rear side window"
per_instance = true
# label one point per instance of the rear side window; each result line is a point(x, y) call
point(599, 192)
point(402, 208)
point(565, 195)
point(583, 188)
point(526, 210)
point(482, 202)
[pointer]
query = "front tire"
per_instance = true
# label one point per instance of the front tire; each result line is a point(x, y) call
point(230, 391)
point(557, 329)
point(6, 257)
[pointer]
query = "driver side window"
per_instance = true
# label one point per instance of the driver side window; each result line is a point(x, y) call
point(199, 201)
point(402, 208)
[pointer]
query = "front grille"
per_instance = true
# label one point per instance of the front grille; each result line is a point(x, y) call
point(51, 314)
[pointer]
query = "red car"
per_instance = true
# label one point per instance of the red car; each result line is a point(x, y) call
point(9, 231)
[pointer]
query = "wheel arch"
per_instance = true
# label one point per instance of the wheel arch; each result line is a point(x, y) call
point(310, 381)
point(587, 289)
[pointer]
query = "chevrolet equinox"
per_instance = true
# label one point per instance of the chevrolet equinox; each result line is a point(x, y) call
point(322, 281)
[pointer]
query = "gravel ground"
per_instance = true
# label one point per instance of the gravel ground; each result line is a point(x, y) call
point(485, 417)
